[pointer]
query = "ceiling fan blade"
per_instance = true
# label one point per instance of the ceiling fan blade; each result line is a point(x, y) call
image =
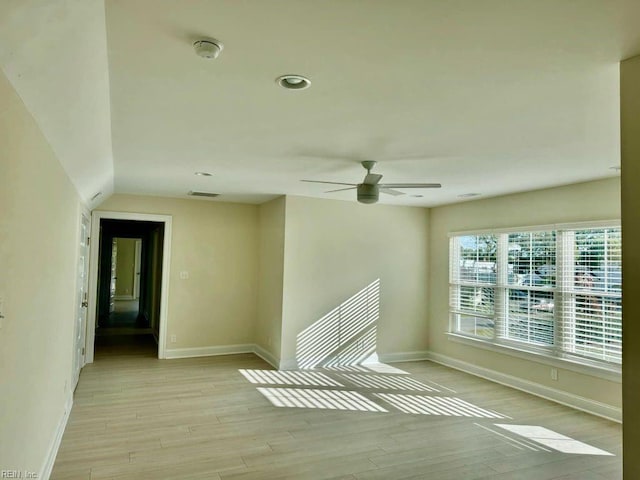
point(330, 183)
point(410, 185)
point(390, 191)
point(372, 178)
point(341, 189)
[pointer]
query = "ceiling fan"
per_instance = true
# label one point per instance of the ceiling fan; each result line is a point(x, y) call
point(370, 188)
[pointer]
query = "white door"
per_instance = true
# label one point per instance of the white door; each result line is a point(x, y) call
point(136, 273)
point(80, 330)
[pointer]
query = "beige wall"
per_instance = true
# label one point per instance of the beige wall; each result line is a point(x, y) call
point(271, 271)
point(125, 263)
point(630, 120)
point(335, 248)
point(599, 200)
point(39, 238)
point(217, 244)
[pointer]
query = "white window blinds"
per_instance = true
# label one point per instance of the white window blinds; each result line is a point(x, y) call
point(473, 273)
point(531, 285)
point(591, 287)
point(558, 291)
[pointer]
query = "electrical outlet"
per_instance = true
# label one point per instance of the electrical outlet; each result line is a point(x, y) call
point(554, 374)
point(184, 275)
point(173, 339)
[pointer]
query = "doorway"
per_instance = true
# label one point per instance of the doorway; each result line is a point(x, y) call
point(128, 281)
point(119, 299)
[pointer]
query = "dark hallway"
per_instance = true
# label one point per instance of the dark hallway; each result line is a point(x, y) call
point(129, 284)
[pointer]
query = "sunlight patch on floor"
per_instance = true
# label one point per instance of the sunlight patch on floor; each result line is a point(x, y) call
point(520, 443)
point(324, 399)
point(275, 377)
point(387, 382)
point(384, 368)
point(446, 406)
point(553, 440)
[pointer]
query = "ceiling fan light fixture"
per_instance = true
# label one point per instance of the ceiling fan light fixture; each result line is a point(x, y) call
point(368, 193)
point(293, 82)
point(369, 189)
point(210, 48)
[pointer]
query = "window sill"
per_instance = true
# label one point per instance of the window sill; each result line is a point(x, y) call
point(586, 367)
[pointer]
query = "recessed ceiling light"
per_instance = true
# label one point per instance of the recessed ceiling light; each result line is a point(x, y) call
point(417, 196)
point(203, 174)
point(469, 195)
point(208, 48)
point(293, 82)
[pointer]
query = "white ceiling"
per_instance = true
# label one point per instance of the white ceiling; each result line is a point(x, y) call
point(54, 52)
point(491, 97)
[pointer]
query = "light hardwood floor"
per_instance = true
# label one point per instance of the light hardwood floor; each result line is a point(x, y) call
point(136, 417)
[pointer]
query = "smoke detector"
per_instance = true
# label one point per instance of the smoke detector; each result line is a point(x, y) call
point(209, 48)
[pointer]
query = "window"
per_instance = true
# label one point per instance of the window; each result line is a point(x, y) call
point(473, 299)
point(555, 291)
point(530, 286)
point(592, 288)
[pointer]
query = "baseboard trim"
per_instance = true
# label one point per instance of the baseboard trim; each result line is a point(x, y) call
point(292, 363)
point(267, 356)
point(47, 467)
point(223, 350)
point(403, 357)
point(124, 297)
point(286, 364)
point(209, 351)
point(569, 399)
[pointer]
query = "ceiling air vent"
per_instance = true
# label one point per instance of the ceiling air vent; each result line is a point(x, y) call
point(203, 194)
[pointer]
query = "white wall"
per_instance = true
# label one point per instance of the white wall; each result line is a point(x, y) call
point(261, 274)
point(217, 244)
point(599, 200)
point(271, 271)
point(68, 94)
point(630, 120)
point(333, 249)
point(39, 241)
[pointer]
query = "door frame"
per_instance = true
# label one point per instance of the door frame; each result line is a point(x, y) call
point(96, 217)
point(79, 361)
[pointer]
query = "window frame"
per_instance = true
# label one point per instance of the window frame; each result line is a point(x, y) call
point(556, 354)
point(458, 311)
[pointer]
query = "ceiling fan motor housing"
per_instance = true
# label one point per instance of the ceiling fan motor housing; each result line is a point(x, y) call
point(368, 193)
